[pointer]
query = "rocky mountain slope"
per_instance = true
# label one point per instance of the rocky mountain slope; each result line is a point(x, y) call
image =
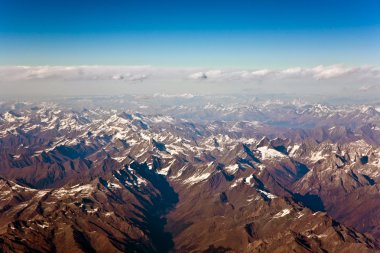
point(93, 179)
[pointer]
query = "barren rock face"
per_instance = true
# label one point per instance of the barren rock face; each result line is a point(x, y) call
point(112, 180)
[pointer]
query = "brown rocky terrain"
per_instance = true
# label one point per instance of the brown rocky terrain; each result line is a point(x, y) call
point(107, 180)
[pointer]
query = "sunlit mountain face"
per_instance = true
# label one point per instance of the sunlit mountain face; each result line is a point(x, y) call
point(202, 173)
point(189, 126)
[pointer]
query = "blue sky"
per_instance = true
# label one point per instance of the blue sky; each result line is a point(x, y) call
point(235, 34)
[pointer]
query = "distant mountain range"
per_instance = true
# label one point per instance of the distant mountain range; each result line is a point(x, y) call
point(189, 174)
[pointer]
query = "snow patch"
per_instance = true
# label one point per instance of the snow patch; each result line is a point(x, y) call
point(315, 157)
point(232, 169)
point(165, 171)
point(294, 149)
point(267, 194)
point(197, 178)
point(236, 183)
point(282, 213)
point(269, 153)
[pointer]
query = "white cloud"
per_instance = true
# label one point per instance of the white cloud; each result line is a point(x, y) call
point(334, 71)
point(331, 79)
point(138, 73)
point(198, 76)
point(121, 73)
point(317, 73)
point(261, 73)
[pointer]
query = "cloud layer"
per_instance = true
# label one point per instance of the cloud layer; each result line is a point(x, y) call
point(139, 73)
point(318, 73)
point(72, 73)
point(81, 80)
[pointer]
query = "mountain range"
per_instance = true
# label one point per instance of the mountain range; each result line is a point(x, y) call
point(189, 174)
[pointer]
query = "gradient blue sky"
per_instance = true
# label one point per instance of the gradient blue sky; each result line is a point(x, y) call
point(252, 34)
